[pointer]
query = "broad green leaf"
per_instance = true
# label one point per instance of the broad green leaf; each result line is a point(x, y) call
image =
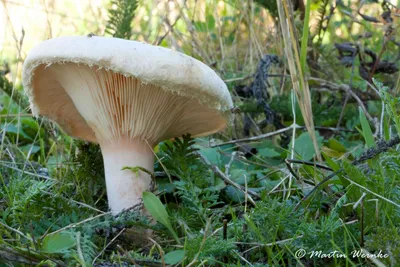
point(210, 23)
point(268, 152)
point(237, 175)
point(30, 148)
point(304, 146)
point(57, 243)
point(164, 185)
point(174, 257)
point(11, 128)
point(158, 211)
point(211, 154)
point(234, 194)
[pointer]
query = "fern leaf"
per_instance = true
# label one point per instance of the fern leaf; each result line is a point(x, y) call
point(121, 15)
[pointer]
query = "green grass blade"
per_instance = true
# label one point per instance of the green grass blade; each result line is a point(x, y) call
point(366, 130)
point(304, 38)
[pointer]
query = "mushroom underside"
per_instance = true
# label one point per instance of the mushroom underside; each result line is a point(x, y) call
point(100, 105)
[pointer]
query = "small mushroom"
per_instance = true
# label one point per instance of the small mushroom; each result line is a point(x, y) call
point(126, 96)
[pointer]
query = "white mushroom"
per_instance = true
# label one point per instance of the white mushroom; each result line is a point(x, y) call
point(127, 96)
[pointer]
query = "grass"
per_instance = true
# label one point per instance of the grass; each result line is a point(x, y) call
point(258, 202)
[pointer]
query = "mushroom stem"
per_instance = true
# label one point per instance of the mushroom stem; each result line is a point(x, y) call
point(125, 187)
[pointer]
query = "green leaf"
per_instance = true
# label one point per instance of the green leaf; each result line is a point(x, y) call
point(238, 176)
point(268, 152)
point(11, 128)
point(386, 129)
point(335, 167)
point(207, 26)
point(174, 257)
point(336, 145)
point(210, 22)
point(200, 26)
point(211, 154)
point(164, 185)
point(57, 243)
point(304, 145)
point(234, 194)
point(30, 148)
point(366, 130)
point(158, 211)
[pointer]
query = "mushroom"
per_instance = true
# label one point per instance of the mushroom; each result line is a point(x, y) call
point(127, 96)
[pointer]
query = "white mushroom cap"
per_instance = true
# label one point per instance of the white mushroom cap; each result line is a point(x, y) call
point(61, 77)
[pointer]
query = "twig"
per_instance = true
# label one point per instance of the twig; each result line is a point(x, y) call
point(238, 79)
point(337, 129)
point(30, 173)
point(243, 258)
point(269, 244)
point(258, 137)
point(170, 29)
point(374, 260)
point(359, 201)
point(128, 256)
point(160, 250)
point(15, 230)
point(78, 223)
point(270, 134)
point(348, 92)
point(288, 163)
point(109, 243)
point(15, 115)
point(372, 192)
point(346, 88)
point(78, 246)
point(74, 201)
point(309, 163)
point(225, 229)
point(362, 221)
point(218, 172)
point(228, 166)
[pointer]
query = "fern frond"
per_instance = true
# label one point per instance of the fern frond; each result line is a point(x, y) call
point(181, 155)
point(321, 17)
point(121, 15)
